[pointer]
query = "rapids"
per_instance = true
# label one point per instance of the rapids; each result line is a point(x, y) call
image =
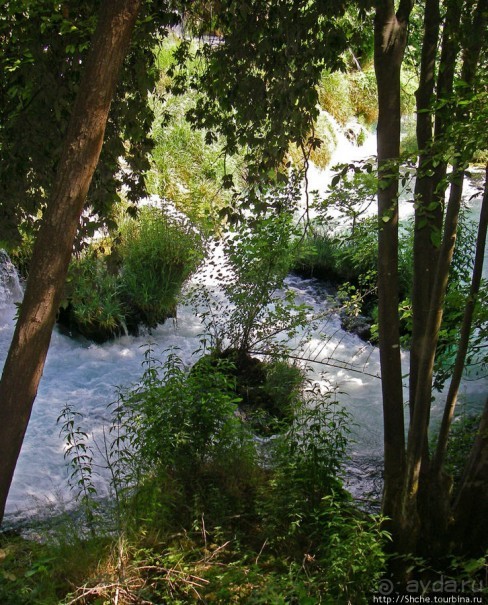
point(86, 375)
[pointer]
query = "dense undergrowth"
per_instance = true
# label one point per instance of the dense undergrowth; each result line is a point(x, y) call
point(202, 510)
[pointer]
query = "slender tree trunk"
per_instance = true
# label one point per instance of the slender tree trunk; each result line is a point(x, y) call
point(421, 413)
point(390, 42)
point(419, 499)
point(430, 190)
point(470, 510)
point(424, 248)
point(53, 247)
point(451, 399)
point(447, 66)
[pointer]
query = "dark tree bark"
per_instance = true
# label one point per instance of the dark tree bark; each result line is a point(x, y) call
point(430, 189)
point(390, 42)
point(424, 249)
point(416, 495)
point(451, 399)
point(470, 510)
point(53, 247)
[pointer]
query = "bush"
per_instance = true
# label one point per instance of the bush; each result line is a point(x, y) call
point(364, 96)
point(158, 253)
point(321, 154)
point(186, 438)
point(132, 278)
point(340, 257)
point(334, 95)
point(254, 315)
point(307, 460)
point(95, 301)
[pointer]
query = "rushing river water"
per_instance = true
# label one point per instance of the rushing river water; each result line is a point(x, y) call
point(86, 374)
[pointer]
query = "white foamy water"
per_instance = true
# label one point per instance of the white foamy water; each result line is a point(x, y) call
point(86, 374)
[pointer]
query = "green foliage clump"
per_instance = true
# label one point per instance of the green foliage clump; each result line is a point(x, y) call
point(132, 278)
point(364, 99)
point(95, 298)
point(340, 257)
point(319, 147)
point(334, 95)
point(34, 572)
point(409, 84)
point(349, 94)
point(461, 438)
point(408, 142)
point(187, 438)
point(187, 167)
point(480, 157)
point(158, 253)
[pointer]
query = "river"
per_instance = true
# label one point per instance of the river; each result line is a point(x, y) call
point(85, 375)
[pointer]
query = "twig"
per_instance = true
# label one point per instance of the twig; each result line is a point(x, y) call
point(262, 548)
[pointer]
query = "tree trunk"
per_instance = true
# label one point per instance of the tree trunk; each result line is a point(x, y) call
point(424, 249)
point(53, 247)
point(390, 42)
point(451, 399)
point(431, 183)
point(470, 511)
point(418, 432)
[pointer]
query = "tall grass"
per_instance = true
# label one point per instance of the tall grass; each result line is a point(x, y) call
point(158, 253)
point(134, 277)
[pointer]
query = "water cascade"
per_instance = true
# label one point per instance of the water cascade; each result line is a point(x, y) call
point(85, 375)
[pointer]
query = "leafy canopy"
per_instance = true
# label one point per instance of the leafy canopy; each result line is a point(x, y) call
point(258, 83)
point(43, 47)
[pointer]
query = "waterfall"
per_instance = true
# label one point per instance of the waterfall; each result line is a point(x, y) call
point(10, 288)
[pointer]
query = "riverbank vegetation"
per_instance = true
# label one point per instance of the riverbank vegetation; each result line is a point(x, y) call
point(133, 276)
point(226, 480)
point(195, 513)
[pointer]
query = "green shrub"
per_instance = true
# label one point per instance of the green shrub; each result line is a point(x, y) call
point(95, 298)
point(317, 256)
point(307, 460)
point(158, 253)
point(255, 315)
point(132, 278)
point(201, 510)
point(480, 157)
point(409, 84)
point(187, 438)
point(340, 257)
point(408, 143)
